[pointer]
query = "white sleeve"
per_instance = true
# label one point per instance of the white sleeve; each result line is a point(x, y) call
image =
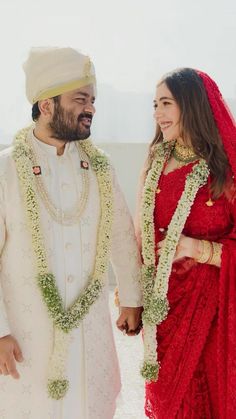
point(125, 257)
point(4, 326)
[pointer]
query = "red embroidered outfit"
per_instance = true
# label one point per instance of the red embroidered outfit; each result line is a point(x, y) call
point(197, 341)
point(197, 345)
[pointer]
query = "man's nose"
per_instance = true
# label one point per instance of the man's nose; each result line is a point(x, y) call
point(89, 107)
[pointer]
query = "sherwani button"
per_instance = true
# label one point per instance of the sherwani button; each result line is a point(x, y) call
point(70, 278)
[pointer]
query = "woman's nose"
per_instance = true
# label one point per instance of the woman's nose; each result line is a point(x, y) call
point(158, 113)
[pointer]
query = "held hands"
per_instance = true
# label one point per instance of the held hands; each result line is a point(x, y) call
point(187, 247)
point(10, 352)
point(129, 321)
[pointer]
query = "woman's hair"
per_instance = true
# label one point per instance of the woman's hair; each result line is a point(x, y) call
point(36, 111)
point(197, 124)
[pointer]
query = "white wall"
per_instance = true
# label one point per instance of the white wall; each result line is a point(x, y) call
point(128, 159)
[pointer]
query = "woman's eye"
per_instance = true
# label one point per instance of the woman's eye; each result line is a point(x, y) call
point(166, 103)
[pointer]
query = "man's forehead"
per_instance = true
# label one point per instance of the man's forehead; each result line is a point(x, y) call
point(84, 91)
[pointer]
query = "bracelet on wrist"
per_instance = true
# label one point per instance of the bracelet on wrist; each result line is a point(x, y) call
point(216, 254)
point(206, 253)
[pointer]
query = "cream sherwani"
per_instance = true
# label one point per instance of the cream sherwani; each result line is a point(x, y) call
point(92, 365)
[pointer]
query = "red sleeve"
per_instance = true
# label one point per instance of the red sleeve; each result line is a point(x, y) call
point(226, 349)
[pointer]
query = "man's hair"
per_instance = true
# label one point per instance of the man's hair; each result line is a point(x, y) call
point(36, 111)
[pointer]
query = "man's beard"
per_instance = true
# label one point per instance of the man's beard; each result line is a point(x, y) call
point(65, 126)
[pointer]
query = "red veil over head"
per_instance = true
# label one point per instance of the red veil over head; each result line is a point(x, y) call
point(226, 340)
point(223, 118)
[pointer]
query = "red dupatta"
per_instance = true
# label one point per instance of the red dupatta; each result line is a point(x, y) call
point(227, 283)
point(218, 289)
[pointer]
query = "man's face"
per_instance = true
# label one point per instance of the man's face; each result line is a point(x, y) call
point(72, 114)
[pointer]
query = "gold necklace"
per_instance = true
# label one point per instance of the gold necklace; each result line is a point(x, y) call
point(72, 216)
point(183, 154)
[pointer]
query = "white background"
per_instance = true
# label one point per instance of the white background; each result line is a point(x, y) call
point(131, 42)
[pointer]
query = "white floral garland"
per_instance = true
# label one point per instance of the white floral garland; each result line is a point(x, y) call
point(156, 278)
point(65, 320)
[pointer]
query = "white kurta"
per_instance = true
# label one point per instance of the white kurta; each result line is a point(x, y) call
point(92, 365)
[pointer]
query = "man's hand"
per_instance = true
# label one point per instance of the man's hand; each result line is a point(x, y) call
point(129, 320)
point(9, 353)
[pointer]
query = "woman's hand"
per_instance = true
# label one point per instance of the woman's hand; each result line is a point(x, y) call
point(187, 247)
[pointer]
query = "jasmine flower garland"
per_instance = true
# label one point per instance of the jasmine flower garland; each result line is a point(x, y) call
point(156, 278)
point(65, 320)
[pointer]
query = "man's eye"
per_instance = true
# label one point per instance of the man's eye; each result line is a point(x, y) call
point(155, 106)
point(80, 99)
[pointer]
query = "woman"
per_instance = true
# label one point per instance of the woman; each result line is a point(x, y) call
point(188, 234)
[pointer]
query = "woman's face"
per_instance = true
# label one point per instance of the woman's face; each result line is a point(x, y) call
point(167, 113)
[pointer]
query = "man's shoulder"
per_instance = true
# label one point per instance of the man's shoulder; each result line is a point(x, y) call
point(99, 151)
point(6, 151)
point(5, 158)
point(99, 148)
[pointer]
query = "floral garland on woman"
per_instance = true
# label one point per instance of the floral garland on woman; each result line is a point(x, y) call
point(65, 320)
point(155, 278)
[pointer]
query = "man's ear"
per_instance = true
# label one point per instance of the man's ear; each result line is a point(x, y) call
point(46, 107)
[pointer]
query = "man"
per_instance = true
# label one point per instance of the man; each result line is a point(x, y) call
point(62, 215)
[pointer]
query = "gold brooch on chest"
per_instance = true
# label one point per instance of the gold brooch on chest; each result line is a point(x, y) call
point(209, 203)
point(84, 164)
point(37, 170)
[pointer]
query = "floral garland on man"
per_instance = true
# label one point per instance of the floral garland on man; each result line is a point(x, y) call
point(64, 320)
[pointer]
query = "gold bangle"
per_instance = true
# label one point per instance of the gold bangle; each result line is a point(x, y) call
point(207, 252)
point(216, 254)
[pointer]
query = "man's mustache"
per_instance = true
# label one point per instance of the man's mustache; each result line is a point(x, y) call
point(87, 115)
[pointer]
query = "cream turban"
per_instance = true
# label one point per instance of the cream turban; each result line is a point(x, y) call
point(52, 71)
